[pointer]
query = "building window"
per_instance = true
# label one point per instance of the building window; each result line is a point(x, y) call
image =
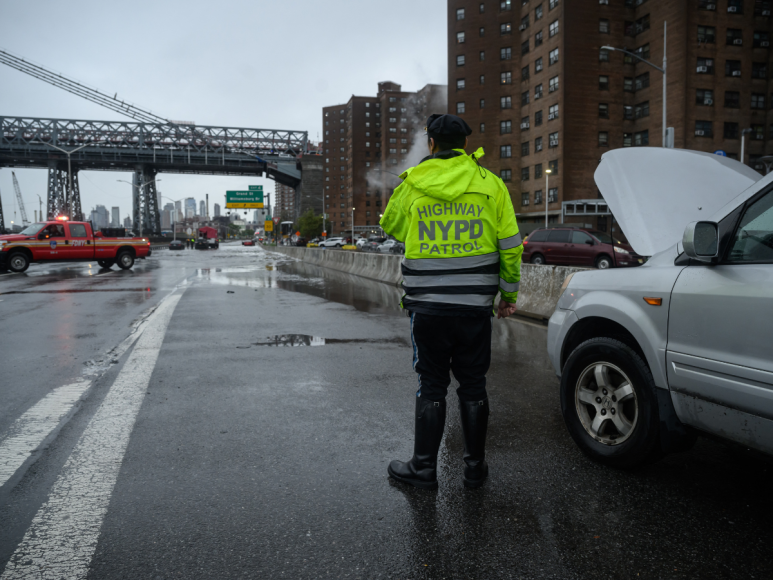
point(735, 6)
point(524, 174)
point(553, 30)
point(705, 66)
point(552, 112)
point(641, 110)
point(553, 195)
point(758, 132)
point(553, 57)
point(482, 55)
point(641, 138)
point(538, 92)
point(603, 139)
point(524, 75)
point(553, 166)
point(758, 101)
point(553, 84)
point(482, 8)
point(734, 36)
point(525, 122)
point(732, 99)
point(483, 127)
point(505, 53)
point(460, 108)
point(762, 8)
point(603, 55)
point(505, 127)
point(707, 5)
point(707, 34)
point(505, 151)
point(538, 39)
point(761, 40)
point(482, 79)
point(642, 81)
point(603, 111)
point(525, 98)
point(704, 97)
point(538, 171)
point(538, 145)
point(731, 131)
point(505, 28)
point(604, 26)
point(525, 47)
point(481, 32)
point(553, 140)
point(552, 4)
point(460, 14)
point(538, 65)
point(603, 83)
point(460, 38)
point(732, 68)
point(506, 175)
point(460, 60)
point(525, 198)
point(628, 84)
point(759, 70)
point(482, 103)
point(506, 78)
point(505, 102)
point(524, 149)
point(538, 197)
point(459, 84)
point(538, 13)
point(504, 5)
point(703, 129)
point(538, 118)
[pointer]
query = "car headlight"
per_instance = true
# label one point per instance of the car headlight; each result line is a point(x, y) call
point(2, 244)
point(621, 251)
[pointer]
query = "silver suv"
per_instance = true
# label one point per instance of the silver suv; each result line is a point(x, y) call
point(649, 357)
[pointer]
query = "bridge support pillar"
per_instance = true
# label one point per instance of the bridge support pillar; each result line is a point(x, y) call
point(56, 198)
point(147, 218)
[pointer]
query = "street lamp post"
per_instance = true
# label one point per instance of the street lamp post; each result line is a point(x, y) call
point(69, 166)
point(547, 195)
point(138, 192)
point(352, 225)
point(743, 142)
point(663, 70)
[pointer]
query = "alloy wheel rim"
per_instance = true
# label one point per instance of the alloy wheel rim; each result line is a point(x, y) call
point(606, 403)
point(125, 259)
point(18, 262)
point(603, 264)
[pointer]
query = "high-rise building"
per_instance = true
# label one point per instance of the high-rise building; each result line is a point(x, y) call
point(368, 142)
point(190, 207)
point(100, 217)
point(202, 208)
point(217, 210)
point(116, 217)
point(127, 223)
point(178, 208)
point(167, 216)
point(533, 82)
point(284, 201)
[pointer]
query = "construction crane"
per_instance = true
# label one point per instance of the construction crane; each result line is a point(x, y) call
point(24, 219)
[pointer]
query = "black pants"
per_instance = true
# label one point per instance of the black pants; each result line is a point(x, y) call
point(461, 344)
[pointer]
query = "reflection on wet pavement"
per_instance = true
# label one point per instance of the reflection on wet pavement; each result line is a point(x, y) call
point(308, 340)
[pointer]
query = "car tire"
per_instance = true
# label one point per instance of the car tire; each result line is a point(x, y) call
point(538, 259)
point(125, 260)
point(621, 431)
point(106, 263)
point(603, 262)
point(18, 262)
point(338, 246)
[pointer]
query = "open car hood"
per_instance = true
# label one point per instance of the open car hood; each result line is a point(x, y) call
point(655, 192)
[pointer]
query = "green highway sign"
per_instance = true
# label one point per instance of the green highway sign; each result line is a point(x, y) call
point(250, 199)
point(255, 187)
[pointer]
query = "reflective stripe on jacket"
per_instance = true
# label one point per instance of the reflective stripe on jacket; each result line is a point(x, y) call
point(462, 243)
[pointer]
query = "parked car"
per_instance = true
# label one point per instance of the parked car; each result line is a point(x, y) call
point(332, 243)
point(301, 242)
point(248, 243)
point(398, 248)
point(176, 245)
point(572, 246)
point(387, 246)
point(649, 357)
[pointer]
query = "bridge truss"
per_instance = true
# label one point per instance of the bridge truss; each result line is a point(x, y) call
point(146, 149)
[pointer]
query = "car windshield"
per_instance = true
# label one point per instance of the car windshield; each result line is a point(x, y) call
point(603, 237)
point(32, 229)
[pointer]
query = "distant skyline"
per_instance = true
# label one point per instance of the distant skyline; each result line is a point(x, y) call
point(329, 51)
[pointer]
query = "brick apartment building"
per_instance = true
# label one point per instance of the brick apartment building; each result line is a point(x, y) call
point(368, 142)
point(531, 79)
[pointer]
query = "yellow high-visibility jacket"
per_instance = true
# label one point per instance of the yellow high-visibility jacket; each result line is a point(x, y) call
point(462, 243)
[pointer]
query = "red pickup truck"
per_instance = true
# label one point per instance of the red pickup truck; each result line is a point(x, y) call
point(67, 241)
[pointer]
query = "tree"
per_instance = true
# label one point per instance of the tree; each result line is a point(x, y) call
point(310, 225)
point(249, 233)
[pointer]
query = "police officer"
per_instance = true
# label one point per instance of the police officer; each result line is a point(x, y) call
point(462, 246)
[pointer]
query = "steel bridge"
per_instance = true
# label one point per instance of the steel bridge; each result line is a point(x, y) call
point(146, 149)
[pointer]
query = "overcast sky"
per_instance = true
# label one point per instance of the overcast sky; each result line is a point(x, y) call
point(269, 64)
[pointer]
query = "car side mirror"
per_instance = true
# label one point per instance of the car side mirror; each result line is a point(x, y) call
point(701, 241)
point(42, 236)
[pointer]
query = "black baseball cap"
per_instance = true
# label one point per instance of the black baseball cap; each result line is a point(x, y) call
point(439, 126)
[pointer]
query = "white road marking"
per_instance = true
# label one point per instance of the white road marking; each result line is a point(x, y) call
point(63, 535)
point(31, 429)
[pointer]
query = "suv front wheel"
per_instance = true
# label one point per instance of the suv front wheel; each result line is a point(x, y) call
point(609, 403)
point(603, 262)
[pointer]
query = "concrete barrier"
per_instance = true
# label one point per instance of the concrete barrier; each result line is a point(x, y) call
point(538, 295)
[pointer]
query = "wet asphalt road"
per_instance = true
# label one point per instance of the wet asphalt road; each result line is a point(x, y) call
point(250, 458)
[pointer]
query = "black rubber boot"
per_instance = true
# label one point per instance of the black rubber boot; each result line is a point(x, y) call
point(474, 416)
point(421, 471)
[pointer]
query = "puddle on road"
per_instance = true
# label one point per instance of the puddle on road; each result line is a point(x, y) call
point(308, 340)
point(77, 290)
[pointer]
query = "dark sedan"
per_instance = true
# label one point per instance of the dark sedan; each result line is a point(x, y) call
point(176, 245)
